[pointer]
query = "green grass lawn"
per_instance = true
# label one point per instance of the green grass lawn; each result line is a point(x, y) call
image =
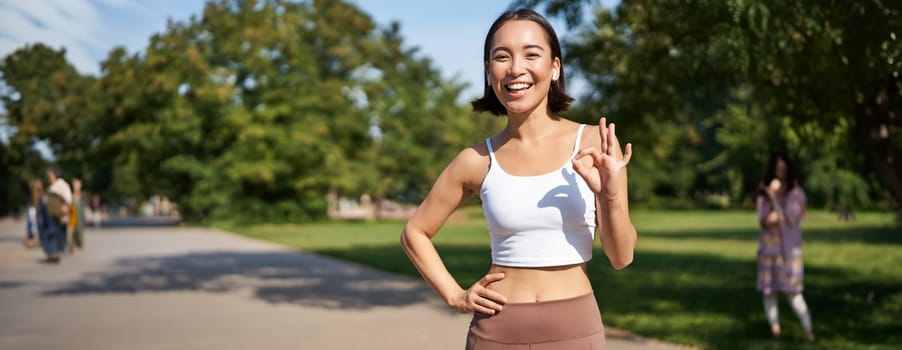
point(692, 280)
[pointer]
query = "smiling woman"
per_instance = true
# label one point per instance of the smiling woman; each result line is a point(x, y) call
point(546, 185)
point(544, 60)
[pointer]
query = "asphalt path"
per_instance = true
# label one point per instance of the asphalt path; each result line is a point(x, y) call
point(157, 287)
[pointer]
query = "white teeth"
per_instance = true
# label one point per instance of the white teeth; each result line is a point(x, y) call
point(518, 86)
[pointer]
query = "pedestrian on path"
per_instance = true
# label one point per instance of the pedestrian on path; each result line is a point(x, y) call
point(53, 215)
point(35, 194)
point(546, 184)
point(75, 227)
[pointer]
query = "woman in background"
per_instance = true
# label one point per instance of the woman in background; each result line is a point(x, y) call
point(74, 231)
point(781, 209)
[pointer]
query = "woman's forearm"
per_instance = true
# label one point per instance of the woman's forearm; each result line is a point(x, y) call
point(617, 231)
point(775, 204)
point(422, 253)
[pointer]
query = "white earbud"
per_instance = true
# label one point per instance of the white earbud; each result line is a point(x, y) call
point(554, 75)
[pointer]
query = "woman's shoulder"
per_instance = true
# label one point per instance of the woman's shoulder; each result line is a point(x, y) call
point(797, 191)
point(588, 128)
point(471, 161)
point(474, 153)
point(589, 135)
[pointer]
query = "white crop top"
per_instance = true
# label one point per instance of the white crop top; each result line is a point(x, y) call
point(538, 221)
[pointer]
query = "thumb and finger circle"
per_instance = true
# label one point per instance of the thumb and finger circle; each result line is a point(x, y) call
point(580, 169)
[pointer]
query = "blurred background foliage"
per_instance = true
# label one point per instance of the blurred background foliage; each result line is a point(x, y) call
point(707, 89)
point(257, 110)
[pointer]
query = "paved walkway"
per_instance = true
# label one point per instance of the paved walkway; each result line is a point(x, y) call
point(194, 288)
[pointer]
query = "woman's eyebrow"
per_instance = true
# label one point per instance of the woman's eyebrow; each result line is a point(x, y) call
point(500, 48)
point(529, 46)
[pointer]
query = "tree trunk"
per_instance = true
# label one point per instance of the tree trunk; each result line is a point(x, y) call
point(875, 115)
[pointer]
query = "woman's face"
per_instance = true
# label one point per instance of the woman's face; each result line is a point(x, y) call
point(521, 66)
point(780, 170)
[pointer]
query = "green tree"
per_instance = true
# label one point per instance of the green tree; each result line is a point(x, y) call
point(17, 166)
point(48, 102)
point(262, 107)
point(805, 67)
point(255, 110)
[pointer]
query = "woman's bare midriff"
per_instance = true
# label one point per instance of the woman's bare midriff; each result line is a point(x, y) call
point(533, 284)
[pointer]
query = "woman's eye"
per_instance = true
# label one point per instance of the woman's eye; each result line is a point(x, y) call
point(501, 58)
point(533, 55)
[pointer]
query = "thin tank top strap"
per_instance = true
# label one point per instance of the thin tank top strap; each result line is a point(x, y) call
point(488, 143)
point(579, 136)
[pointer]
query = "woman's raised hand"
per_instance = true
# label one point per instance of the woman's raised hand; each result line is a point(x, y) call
point(603, 176)
point(773, 188)
point(479, 298)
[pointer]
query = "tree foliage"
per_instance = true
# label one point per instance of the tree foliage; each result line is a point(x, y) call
point(721, 84)
point(257, 109)
point(48, 103)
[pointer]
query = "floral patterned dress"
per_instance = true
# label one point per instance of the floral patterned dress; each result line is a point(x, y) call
point(780, 266)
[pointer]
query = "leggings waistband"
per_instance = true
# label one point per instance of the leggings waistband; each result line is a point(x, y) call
point(544, 321)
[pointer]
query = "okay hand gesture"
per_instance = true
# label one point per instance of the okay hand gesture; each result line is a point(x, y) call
point(603, 176)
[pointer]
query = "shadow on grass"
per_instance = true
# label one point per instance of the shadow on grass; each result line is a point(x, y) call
point(711, 301)
point(699, 299)
point(869, 235)
point(275, 277)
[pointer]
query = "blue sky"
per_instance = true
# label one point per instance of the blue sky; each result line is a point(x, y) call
point(450, 32)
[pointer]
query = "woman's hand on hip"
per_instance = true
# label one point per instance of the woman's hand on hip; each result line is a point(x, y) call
point(603, 176)
point(478, 298)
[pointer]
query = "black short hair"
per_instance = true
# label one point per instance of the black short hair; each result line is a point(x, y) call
point(558, 100)
point(56, 171)
point(770, 172)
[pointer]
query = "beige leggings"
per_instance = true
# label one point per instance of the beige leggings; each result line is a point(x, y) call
point(565, 324)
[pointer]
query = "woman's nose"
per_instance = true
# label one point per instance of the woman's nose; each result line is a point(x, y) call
point(518, 66)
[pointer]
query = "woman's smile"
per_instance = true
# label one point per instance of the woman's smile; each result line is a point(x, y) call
point(517, 90)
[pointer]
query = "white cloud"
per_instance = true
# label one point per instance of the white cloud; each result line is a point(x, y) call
point(74, 24)
point(132, 6)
